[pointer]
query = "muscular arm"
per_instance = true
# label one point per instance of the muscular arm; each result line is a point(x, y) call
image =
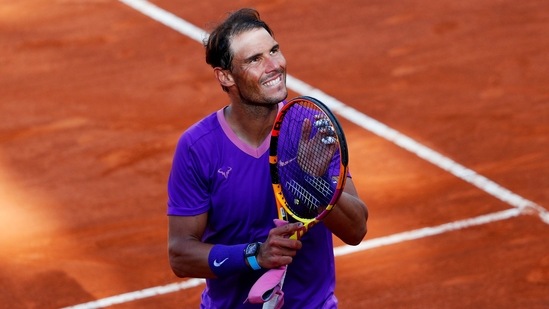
point(348, 219)
point(187, 253)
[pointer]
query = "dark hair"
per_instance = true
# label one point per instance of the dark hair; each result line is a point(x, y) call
point(218, 53)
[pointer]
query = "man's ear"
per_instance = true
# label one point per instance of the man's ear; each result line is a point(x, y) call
point(224, 77)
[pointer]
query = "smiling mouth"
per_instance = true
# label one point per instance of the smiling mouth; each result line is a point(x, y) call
point(273, 82)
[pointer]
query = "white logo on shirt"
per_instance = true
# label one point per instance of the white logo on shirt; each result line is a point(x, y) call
point(225, 172)
point(284, 163)
point(217, 264)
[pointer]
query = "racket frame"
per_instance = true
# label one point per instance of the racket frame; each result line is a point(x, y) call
point(284, 211)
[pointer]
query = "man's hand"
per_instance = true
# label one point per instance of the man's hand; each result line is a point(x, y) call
point(315, 154)
point(279, 250)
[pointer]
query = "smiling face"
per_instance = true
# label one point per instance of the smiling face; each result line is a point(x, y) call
point(258, 68)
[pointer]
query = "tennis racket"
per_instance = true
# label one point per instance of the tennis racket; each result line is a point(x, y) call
point(308, 158)
point(308, 161)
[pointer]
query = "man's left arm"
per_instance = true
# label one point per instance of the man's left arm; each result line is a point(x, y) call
point(348, 219)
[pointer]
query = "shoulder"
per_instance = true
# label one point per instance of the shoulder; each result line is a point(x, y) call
point(207, 130)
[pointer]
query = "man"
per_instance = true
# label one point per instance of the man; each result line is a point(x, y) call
point(221, 201)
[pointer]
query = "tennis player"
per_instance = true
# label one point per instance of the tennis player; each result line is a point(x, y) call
point(221, 205)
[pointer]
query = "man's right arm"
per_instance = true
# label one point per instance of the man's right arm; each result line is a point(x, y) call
point(187, 253)
point(190, 257)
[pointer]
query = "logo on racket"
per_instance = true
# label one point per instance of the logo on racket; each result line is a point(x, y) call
point(284, 163)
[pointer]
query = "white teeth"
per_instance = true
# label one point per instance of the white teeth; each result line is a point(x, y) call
point(273, 82)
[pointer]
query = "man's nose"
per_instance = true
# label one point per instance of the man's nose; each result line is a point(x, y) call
point(274, 63)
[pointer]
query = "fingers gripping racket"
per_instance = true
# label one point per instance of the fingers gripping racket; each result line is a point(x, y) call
point(308, 161)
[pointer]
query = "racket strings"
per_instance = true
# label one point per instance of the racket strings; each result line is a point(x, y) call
point(302, 196)
point(320, 185)
point(307, 145)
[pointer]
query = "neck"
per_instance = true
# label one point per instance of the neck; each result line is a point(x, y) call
point(251, 123)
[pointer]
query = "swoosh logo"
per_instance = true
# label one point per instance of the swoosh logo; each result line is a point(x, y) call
point(284, 163)
point(217, 264)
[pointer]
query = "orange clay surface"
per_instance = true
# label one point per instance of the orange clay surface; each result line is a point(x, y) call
point(94, 95)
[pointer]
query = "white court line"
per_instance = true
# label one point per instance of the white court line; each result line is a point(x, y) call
point(421, 151)
point(360, 119)
point(427, 231)
point(520, 205)
point(145, 293)
point(339, 251)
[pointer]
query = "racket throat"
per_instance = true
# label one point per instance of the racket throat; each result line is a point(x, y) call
point(304, 229)
point(283, 214)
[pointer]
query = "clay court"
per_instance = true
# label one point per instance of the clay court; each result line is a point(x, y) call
point(448, 134)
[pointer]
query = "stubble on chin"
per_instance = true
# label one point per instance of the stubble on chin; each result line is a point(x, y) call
point(265, 100)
